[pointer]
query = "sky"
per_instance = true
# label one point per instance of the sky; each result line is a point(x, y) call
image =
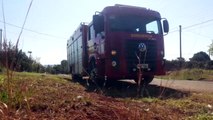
point(50, 24)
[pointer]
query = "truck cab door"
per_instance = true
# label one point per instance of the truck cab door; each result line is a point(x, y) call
point(92, 42)
point(101, 42)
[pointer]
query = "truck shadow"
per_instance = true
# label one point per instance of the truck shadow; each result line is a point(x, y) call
point(128, 90)
point(120, 89)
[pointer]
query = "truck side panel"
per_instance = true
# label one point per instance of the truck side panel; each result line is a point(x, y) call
point(75, 51)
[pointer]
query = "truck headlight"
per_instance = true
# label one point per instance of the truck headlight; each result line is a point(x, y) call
point(162, 53)
point(113, 52)
point(114, 63)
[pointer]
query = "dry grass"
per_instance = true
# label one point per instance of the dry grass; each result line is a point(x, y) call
point(57, 97)
point(189, 74)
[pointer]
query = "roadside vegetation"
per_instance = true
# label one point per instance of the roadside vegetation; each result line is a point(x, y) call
point(189, 74)
point(48, 96)
point(199, 67)
point(20, 62)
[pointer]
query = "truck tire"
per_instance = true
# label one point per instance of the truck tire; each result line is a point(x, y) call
point(76, 77)
point(94, 74)
point(146, 80)
point(92, 70)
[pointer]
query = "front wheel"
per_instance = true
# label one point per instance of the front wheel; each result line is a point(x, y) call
point(94, 77)
point(145, 80)
point(93, 74)
point(92, 70)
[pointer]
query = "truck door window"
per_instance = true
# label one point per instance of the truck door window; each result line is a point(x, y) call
point(91, 33)
point(152, 27)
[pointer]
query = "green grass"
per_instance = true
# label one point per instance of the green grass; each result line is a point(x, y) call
point(1, 78)
point(189, 74)
point(150, 100)
point(194, 110)
point(193, 107)
point(21, 85)
point(201, 117)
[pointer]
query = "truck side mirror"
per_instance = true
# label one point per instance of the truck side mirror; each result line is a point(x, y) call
point(98, 23)
point(165, 26)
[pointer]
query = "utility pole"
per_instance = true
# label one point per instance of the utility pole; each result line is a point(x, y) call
point(30, 57)
point(180, 47)
point(0, 39)
point(30, 52)
point(211, 49)
point(180, 42)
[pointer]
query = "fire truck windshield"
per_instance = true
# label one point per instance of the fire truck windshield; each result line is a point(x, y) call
point(136, 24)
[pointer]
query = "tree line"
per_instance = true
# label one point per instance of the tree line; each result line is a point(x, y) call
point(200, 60)
point(17, 60)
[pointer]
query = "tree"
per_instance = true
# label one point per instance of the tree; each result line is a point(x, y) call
point(23, 63)
point(17, 60)
point(211, 49)
point(14, 59)
point(8, 55)
point(200, 57)
point(56, 69)
point(181, 59)
point(64, 67)
point(49, 69)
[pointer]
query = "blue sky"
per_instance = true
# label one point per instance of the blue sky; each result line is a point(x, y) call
point(59, 18)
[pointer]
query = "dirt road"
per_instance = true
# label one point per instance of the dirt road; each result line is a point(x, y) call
point(186, 85)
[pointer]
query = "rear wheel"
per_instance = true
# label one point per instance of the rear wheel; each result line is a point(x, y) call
point(76, 77)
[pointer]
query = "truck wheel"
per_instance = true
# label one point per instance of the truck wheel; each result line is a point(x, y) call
point(146, 80)
point(76, 77)
point(93, 71)
point(94, 74)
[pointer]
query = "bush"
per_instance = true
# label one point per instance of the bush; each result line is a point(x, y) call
point(175, 65)
point(200, 57)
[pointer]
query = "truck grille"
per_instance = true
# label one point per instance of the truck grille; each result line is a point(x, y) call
point(132, 50)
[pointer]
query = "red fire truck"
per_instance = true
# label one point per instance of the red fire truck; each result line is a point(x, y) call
point(120, 41)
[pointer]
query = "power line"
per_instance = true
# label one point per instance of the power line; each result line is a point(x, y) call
point(196, 33)
point(22, 28)
point(194, 25)
point(198, 24)
point(33, 31)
